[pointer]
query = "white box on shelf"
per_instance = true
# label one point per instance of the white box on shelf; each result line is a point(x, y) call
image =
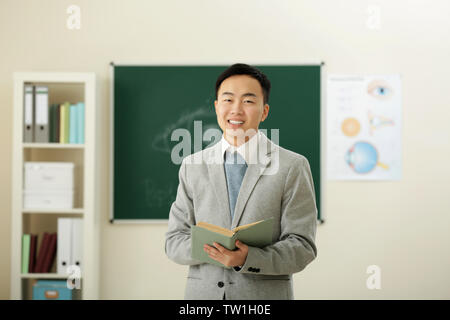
point(48, 199)
point(48, 175)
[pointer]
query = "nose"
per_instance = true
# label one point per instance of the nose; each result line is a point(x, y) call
point(236, 108)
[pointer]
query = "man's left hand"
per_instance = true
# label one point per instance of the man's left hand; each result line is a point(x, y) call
point(227, 257)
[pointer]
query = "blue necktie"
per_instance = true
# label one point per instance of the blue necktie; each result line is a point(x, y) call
point(235, 168)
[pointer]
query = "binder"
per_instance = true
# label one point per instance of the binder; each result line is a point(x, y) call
point(28, 114)
point(41, 132)
point(80, 133)
point(73, 126)
point(70, 243)
point(77, 242)
point(64, 245)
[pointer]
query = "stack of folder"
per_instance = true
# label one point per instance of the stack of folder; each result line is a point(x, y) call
point(70, 243)
point(59, 123)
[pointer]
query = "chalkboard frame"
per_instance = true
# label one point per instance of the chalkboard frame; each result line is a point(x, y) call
point(112, 65)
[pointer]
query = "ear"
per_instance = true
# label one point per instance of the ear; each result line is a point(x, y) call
point(265, 112)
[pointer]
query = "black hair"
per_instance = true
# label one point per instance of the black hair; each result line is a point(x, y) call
point(241, 68)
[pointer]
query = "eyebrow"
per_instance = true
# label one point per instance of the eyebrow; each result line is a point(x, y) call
point(248, 94)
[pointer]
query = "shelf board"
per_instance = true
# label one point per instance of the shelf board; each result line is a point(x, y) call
point(53, 145)
point(53, 211)
point(44, 276)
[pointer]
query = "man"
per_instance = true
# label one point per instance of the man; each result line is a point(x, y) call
point(239, 190)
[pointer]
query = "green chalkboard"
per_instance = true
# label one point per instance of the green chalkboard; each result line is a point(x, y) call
point(150, 102)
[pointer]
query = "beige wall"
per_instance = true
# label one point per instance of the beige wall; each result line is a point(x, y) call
point(403, 226)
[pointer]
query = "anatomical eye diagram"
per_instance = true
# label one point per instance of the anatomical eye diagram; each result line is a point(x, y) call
point(364, 127)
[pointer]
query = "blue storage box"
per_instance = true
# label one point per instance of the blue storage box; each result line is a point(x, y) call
point(51, 290)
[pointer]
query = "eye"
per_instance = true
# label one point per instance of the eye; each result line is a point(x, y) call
point(227, 100)
point(379, 89)
point(248, 101)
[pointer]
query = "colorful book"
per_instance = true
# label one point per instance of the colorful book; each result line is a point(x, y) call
point(53, 137)
point(50, 254)
point(73, 125)
point(80, 122)
point(257, 234)
point(64, 123)
point(58, 123)
point(62, 111)
point(25, 252)
point(42, 252)
point(32, 260)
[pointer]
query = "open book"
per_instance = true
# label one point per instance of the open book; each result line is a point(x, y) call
point(257, 234)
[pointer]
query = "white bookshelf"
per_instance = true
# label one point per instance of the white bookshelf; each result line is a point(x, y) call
point(52, 146)
point(67, 86)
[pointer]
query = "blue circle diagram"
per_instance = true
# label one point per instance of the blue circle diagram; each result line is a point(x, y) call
point(362, 157)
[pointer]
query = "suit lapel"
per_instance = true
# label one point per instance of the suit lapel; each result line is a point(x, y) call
point(218, 181)
point(217, 178)
point(252, 175)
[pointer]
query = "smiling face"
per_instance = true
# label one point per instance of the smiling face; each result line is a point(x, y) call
point(240, 108)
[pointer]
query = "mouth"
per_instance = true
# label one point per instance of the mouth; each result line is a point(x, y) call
point(235, 122)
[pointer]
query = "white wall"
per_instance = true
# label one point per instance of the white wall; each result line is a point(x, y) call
point(400, 226)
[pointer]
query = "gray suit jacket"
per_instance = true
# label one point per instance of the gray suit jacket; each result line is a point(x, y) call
point(279, 185)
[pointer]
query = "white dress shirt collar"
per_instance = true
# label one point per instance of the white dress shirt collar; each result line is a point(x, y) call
point(248, 150)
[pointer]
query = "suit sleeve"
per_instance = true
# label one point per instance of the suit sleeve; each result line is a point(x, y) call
point(295, 248)
point(181, 217)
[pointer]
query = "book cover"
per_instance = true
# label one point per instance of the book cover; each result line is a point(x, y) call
point(53, 123)
point(32, 259)
point(50, 254)
point(73, 123)
point(257, 234)
point(62, 112)
point(41, 254)
point(66, 122)
point(80, 122)
point(58, 123)
point(25, 252)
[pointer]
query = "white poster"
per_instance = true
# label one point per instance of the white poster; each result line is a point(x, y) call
point(364, 127)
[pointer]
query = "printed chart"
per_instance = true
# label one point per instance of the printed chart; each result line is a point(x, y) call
point(364, 127)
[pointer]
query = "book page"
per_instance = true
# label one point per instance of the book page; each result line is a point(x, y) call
point(246, 226)
point(215, 228)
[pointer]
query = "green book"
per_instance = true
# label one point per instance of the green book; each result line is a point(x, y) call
point(53, 119)
point(25, 252)
point(257, 234)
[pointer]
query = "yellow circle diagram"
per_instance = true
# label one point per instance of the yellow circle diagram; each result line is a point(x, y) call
point(350, 127)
